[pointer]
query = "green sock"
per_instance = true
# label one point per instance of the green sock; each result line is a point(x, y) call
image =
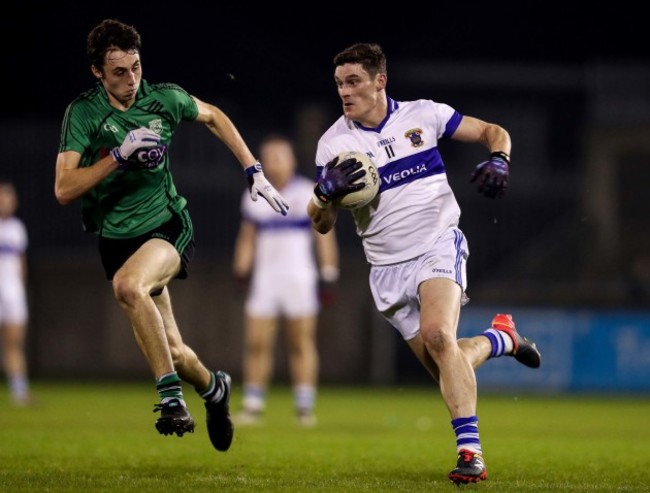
point(169, 386)
point(214, 391)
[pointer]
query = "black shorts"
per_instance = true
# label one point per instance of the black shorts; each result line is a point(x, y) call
point(178, 231)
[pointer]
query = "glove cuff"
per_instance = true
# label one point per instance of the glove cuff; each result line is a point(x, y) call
point(117, 155)
point(253, 168)
point(319, 203)
point(319, 199)
point(501, 155)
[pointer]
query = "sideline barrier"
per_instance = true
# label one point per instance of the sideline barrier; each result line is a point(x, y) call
point(582, 349)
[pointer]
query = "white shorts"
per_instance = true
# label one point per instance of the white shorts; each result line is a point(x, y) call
point(13, 303)
point(293, 297)
point(395, 287)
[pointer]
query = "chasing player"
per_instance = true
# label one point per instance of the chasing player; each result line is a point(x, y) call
point(113, 156)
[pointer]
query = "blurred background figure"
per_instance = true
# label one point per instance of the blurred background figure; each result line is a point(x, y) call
point(13, 299)
point(284, 266)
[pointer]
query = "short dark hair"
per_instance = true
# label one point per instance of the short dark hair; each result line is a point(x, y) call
point(275, 137)
point(111, 34)
point(369, 55)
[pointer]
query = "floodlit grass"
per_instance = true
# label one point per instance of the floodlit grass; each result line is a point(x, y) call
point(101, 437)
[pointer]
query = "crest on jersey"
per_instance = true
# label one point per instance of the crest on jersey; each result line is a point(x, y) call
point(156, 125)
point(415, 136)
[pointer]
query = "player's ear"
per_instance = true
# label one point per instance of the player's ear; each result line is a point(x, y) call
point(380, 82)
point(96, 72)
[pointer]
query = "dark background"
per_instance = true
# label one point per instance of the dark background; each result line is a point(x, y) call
point(571, 85)
point(255, 54)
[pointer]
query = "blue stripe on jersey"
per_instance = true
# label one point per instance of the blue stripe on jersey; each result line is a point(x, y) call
point(452, 124)
point(410, 168)
point(9, 249)
point(274, 224)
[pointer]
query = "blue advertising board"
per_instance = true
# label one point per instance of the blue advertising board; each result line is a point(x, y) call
point(585, 350)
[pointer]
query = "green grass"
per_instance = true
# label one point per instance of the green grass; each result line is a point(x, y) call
point(101, 437)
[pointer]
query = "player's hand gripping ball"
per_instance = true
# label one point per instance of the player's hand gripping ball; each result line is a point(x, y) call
point(350, 180)
point(370, 180)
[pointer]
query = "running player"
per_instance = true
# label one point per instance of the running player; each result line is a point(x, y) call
point(113, 155)
point(284, 259)
point(410, 231)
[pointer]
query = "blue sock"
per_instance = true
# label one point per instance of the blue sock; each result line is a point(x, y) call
point(466, 430)
point(304, 398)
point(254, 399)
point(501, 342)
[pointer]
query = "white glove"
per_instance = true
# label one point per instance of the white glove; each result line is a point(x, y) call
point(136, 140)
point(259, 185)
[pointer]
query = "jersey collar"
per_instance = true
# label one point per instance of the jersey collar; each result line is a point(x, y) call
point(392, 106)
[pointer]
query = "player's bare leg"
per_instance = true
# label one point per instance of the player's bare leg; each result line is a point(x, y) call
point(501, 339)
point(259, 348)
point(213, 387)
point(303, 363)
point(14, 363)
point(184, 359)
point(476, 349)
point(149, 269)
point(440, 309)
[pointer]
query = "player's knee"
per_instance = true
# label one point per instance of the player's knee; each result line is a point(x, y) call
point(126, 290)
point(438, 340)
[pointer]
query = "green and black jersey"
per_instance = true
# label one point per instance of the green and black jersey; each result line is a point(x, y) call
point(126, 203)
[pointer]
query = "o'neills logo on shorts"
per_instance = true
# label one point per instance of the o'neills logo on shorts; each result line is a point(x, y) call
point(162, 236)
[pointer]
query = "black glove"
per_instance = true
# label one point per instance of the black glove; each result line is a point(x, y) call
point(336, 181)
point(326, 292)
point(241, 283)
point(492, 175)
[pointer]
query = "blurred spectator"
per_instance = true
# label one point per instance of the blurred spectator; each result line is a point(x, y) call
point(13, 299)
point(286, 262)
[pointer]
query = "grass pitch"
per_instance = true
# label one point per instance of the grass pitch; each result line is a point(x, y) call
point(100, 437)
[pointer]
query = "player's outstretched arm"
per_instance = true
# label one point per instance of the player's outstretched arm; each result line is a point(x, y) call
point(491, 175)
point(491, 135)
point(220, 125)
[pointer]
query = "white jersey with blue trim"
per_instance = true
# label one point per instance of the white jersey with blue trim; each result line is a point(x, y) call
point(284, 244)
point(415, 204)
point(13, 244)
